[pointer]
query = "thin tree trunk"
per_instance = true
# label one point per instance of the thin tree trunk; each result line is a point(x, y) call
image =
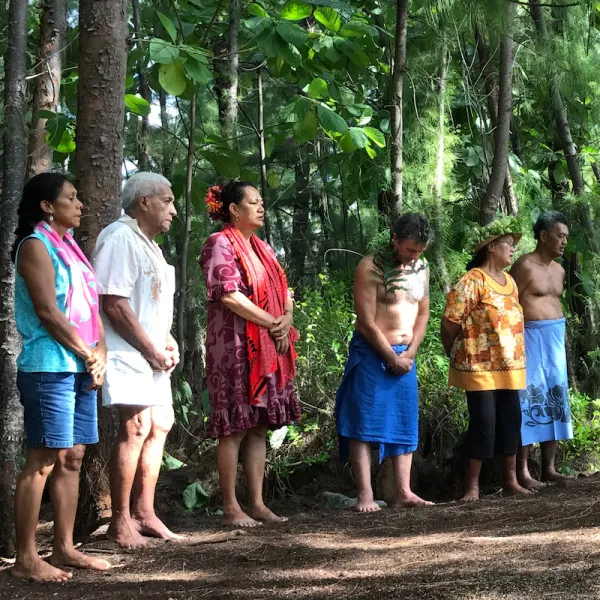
point(300, 220)
point(102, 69)
point(15, 157)
point(46, 91)
point(563, 131)
point(167, 158)
point(396, 108)
point(144, 88)
point(264, 188)
point(502, 137)
point(185, 250)
point(438, 248)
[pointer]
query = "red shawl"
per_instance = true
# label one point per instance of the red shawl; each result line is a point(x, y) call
point(268, 289)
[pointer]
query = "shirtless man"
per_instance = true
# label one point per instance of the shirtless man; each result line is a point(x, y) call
point(377, 402)
point(546, 415)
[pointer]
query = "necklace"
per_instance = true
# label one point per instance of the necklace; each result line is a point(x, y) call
point(502, 283)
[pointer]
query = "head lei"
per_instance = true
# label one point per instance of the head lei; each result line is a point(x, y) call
point(214, 205)
point(479, 236)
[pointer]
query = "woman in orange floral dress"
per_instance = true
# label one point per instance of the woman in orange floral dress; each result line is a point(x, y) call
point(482, 333)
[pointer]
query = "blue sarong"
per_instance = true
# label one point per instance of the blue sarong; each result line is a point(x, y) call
point(375, 405)
point(545, 410)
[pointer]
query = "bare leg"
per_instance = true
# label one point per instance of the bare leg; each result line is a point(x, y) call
point(511, 485)
point(549, 472)
point(135, 426)
point(147, 474)
point(405, 498)
point(472, 480)
point(28, 498)
point(254, 457)
point(227, 460)
point(523, 475)
point(64, 492)
point(360, 458)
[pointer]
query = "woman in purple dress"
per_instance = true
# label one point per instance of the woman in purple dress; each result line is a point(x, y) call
point(250, 355)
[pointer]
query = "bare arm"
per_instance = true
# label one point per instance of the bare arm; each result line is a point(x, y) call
point(35, 266)
point(125, 323)
point(449, 331)
point(520, 273)
point(365, 306)
point(420, 322)
point(245, 308)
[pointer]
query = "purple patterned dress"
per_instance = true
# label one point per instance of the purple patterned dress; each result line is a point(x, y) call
point(227, 356)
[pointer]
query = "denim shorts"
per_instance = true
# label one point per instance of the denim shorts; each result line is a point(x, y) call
point(60, 411)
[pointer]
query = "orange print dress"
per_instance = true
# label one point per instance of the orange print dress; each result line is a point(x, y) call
point(489, 350)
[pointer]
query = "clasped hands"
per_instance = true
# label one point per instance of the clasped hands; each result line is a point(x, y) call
point(95, 364)
point(280, 330)
point(165, 360)
point(403, 363)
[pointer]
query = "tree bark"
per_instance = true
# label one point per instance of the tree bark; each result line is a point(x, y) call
point(396, 108)
point(300, 221)
point(15, 157)
point(185, 250)
point(144, 89)
point(99, 135)
point(46, 91)
point(227, 79)
point(264, 187)
point(502, 137)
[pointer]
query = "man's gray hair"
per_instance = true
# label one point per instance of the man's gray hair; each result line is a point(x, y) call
point(142, 183)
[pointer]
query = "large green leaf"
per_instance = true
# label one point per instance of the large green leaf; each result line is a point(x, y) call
point(258, 24)
point(198, 71)
point(357, 29)
point(66, 144)
point(306, 130)
point(170, 463)
point(194, 496)
point(329, 17)
point(359, 137)
point(199, 54)
point(292, 33)
point(162, 52)
point(296, 11)
point(172, 78)
point(137, 105)
point(330, 121)
point(168, 25)
point(289, 53)
point(318, 89)
point(256, 10)
point(223, 165)
point(353, 51)
point(375, 136)
point(346, 143)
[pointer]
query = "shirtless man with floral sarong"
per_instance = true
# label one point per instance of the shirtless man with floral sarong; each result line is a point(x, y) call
point(377, 402)
point(546, 414)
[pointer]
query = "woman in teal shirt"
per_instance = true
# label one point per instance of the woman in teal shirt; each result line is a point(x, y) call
point(59, 369)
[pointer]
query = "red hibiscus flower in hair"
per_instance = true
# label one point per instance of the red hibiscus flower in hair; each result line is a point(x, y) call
point(213, 201)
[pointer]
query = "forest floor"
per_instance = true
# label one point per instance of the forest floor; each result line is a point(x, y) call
point(547, 546)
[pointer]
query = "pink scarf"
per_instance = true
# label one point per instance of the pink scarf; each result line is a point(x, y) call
point(82, 295)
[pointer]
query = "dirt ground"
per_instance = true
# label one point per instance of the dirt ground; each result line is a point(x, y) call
point(547, 546)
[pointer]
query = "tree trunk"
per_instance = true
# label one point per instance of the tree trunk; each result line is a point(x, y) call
point(502, 136)
point(102, 67)
point(227, 79)
point(46, 91)
point(15, 158)
point(264, 188)
point(563, 131)
point(396, 108)
point(300, 221)
point(438, 246)
point(185, 250)
point(144, 89)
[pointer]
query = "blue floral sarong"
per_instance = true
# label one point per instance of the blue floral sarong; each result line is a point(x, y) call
point(545, 410)
point(375, 405)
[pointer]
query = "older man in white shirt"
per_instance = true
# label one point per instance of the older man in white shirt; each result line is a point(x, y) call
point(136, 286)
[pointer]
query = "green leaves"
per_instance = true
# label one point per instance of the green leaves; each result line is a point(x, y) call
point(375, 136)
point(306, 129)
point(227, 167)
point(172, 78)
point(59, 131)
point(296, 11)
point(194, 496)
point(292, 33)
point(256, 10)
point(318, 89)
point(162, 52)
point(330, 121)
point(168, 25)
point(170, 463)
point(289, 53)
point(197, 71)
point(329, 18)
point(137, 105)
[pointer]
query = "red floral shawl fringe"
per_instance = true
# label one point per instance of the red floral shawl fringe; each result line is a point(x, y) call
point(269, 293)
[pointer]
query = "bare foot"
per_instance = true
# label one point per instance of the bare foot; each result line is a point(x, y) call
point(40, 571)
point(471, 494)
point(514, 489)
point(154, 527)
point(125, 533)
point(79, 560)
point(529, 483)
point(262, 513)
point(238, 518)
point(410, 500)
point(366, 504)
point(554, 476)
